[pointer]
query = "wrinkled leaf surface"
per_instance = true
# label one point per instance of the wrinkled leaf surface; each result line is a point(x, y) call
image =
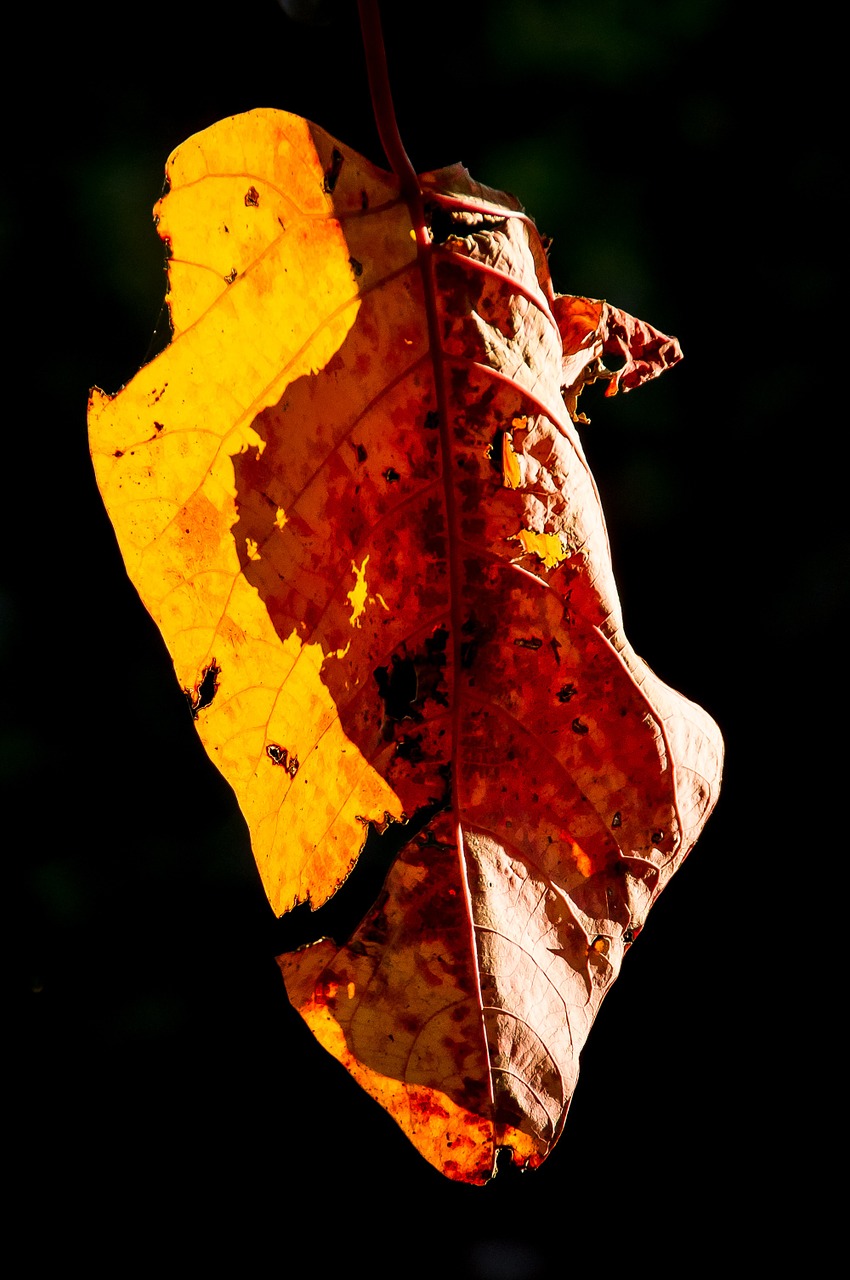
point(352, 494)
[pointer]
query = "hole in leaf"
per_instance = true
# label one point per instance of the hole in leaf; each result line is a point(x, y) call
point(333, 171)
point(614, 360)
point(205, 690)
point(397, 688)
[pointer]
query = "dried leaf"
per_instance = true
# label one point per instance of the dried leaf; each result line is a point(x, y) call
point(352, 494)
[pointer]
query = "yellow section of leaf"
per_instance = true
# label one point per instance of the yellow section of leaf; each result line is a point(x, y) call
point(582, 861)
point(450, 1137)
point(512, 476)
point(357, 594)
point(548, 547)
point(170, 451)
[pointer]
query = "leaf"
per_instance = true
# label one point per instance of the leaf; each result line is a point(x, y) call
point(352, 494)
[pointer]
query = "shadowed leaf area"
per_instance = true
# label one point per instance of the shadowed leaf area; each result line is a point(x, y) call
point(353, 496)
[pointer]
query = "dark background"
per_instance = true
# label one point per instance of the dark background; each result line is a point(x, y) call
point(168, 1102)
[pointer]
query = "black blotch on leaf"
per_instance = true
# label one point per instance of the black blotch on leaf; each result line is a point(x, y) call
point(332, 172)
point(410, 748)
point(397, 687)
point(279, 755)
point(494, 453)
point(205, 691)
point(476, 634)
point(412, 679)
point(613, 359)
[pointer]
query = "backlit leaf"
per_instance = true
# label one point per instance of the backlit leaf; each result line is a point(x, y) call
point(352, 494)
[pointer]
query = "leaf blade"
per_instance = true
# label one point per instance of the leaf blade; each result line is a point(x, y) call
point(377, 554)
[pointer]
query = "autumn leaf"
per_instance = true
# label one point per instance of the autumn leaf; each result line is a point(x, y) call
point(353, 496)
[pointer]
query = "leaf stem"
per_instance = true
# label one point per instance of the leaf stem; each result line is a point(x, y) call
point(382, 99)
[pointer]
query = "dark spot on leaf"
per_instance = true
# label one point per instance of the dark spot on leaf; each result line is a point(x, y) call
point(364, 200)
point(614, 359)
point(432, 420)
point(532, 642)
point(578, 727)
point(565, 693)
point(333, 171)
point(410, 748)
point(494, 451)
point(252, 198)
point(362, 455)
point(555, 646)
point(279, 755)
point(468, 650)
point(205, 690)
point(617, 820)
point(657, 837)
point(409, 681)
point(435, 645)
point(397, 687)
point(476, 634)
point(356, 267)
point(232, 275)
point(119, 453)
point(158, 426)
point(391, 475)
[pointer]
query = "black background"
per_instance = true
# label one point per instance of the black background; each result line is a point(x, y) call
point(169, 1103)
